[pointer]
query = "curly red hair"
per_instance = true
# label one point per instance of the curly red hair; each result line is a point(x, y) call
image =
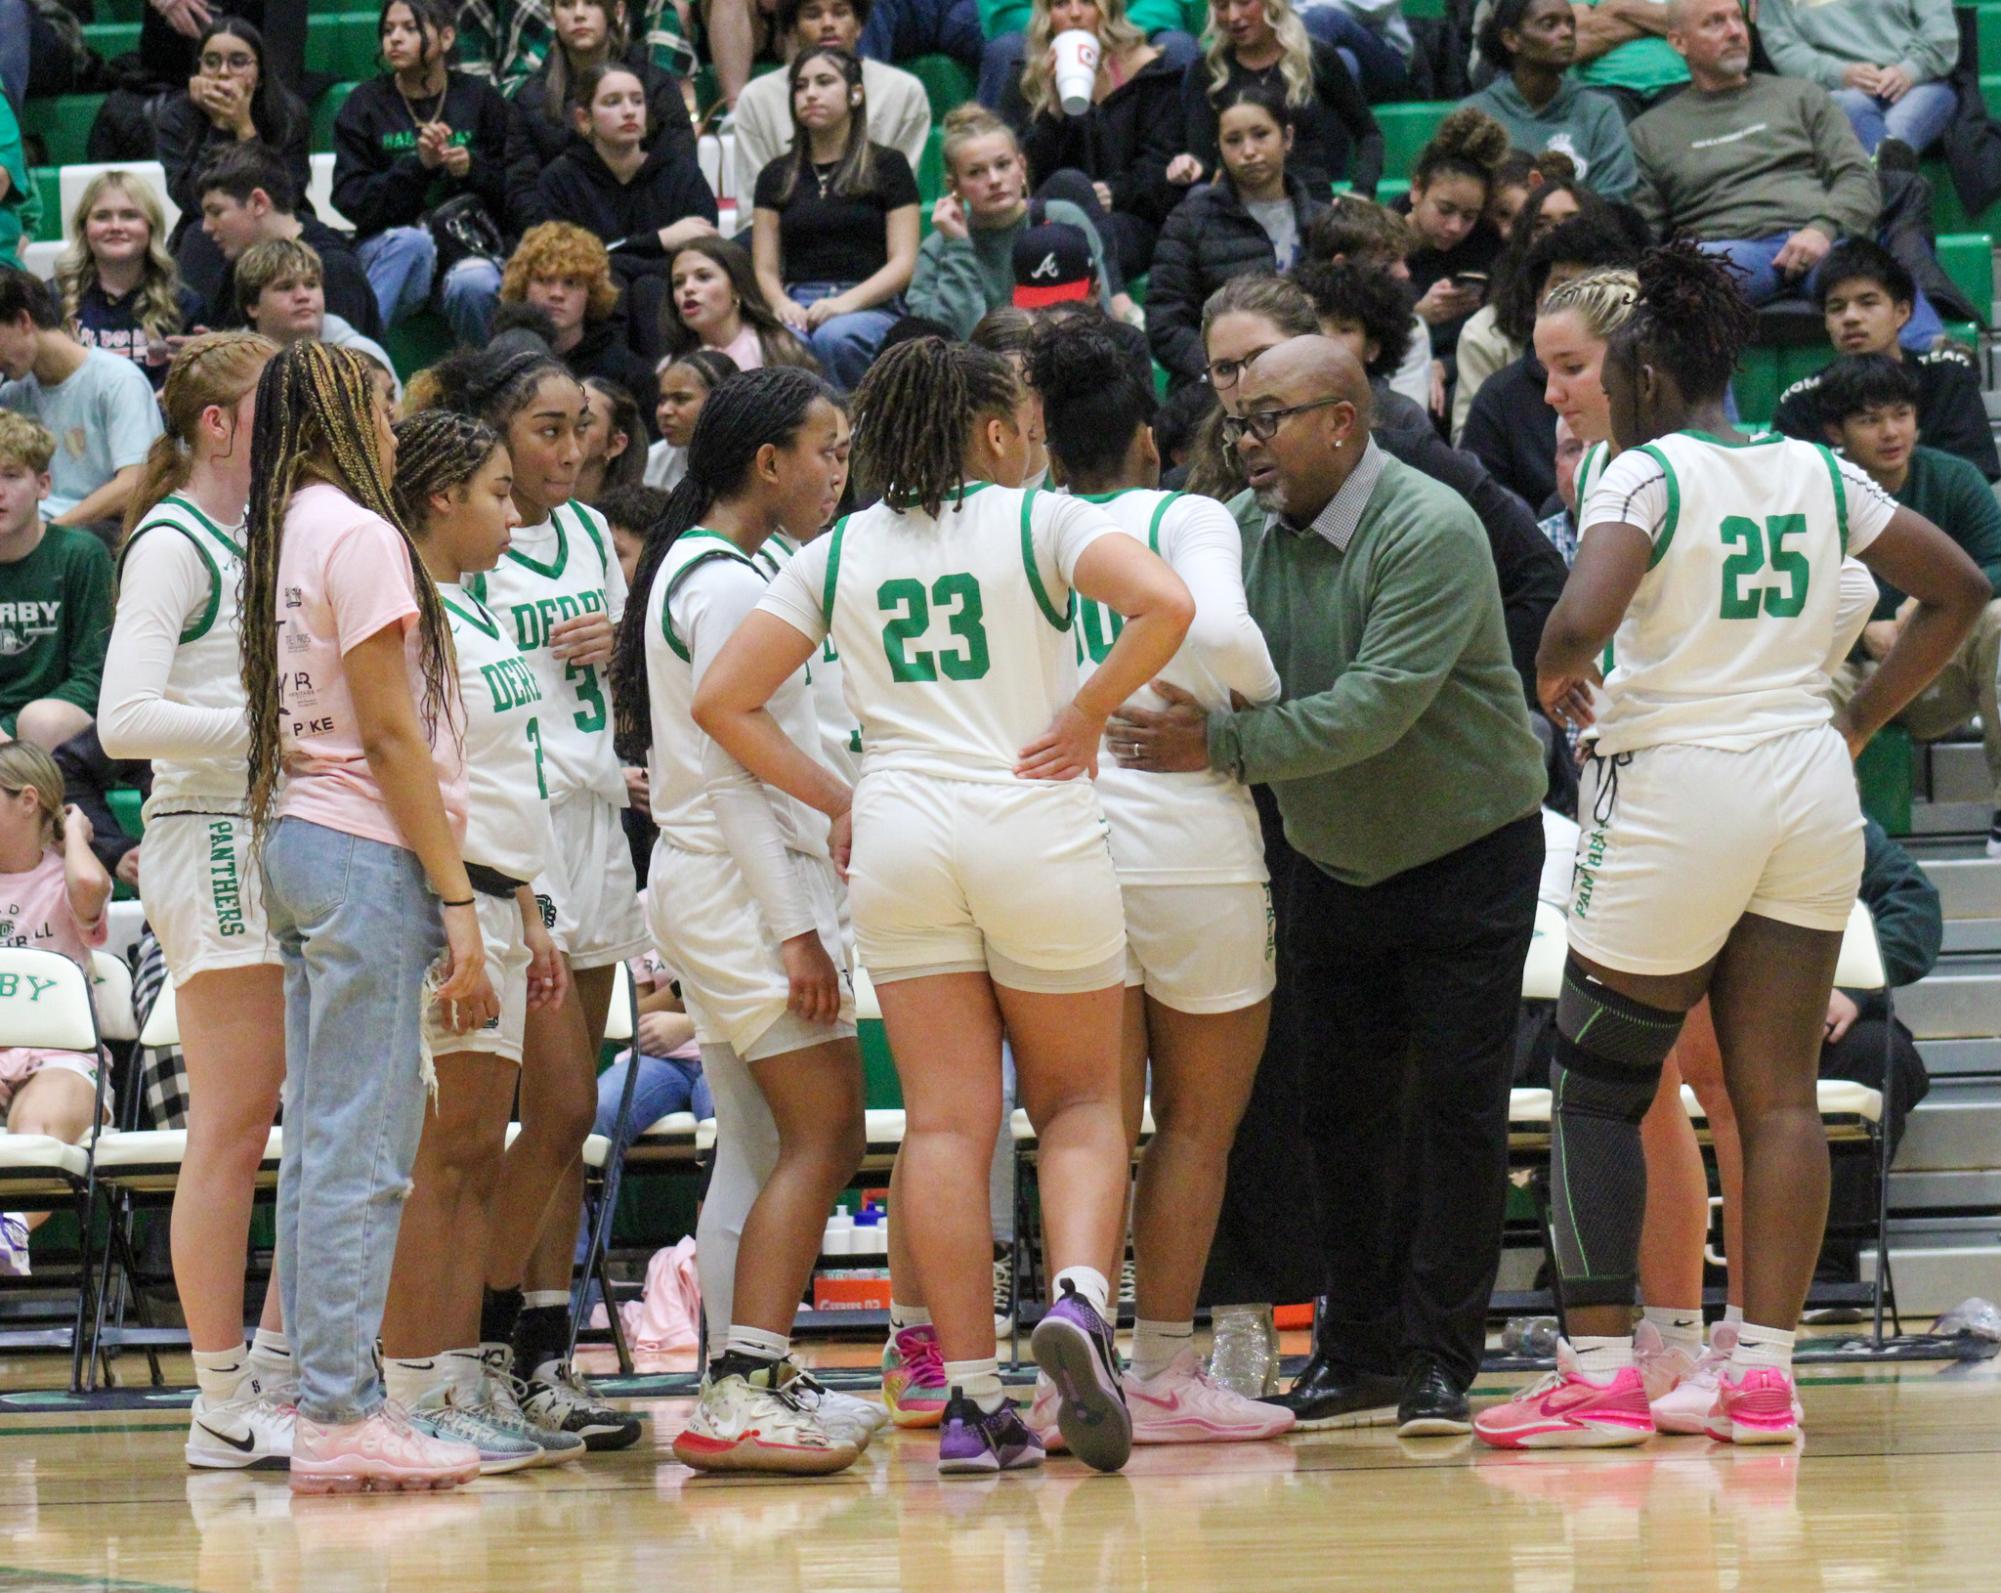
point(561, 249)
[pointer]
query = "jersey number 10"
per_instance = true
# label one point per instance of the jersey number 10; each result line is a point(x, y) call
point(1746, 597)
point(910, 610)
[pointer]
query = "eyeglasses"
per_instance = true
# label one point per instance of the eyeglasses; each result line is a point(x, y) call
point(1224, 373)
point(242, 61)
point(1264, 424)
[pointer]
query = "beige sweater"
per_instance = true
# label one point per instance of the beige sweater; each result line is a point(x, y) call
point(1483, 350)
point(899, 114)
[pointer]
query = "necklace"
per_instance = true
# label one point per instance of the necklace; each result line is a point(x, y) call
point(417, 118)
point(824, 175)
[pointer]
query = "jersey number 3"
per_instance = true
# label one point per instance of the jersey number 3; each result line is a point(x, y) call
point(910, 617)
point(1760, 551)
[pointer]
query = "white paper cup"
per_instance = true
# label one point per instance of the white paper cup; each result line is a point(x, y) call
point(1076, 70)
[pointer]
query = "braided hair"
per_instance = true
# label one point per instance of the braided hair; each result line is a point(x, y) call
point(742, 415)
point(215, 368)
point(1691, 318)
point(492, 387)
point(915, 415)
point(316, 422)
point(437, 451)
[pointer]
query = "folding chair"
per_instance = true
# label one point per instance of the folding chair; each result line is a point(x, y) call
point(621, 1024)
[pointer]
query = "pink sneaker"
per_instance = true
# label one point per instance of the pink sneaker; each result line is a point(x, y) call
point(380, 1453)
point(1566, 1410)
point(913, 1377)
point(1042, 1413)
point(1182, 1406)
point(1685, 1407)
point(1759, 1408)
point(1661, 1367)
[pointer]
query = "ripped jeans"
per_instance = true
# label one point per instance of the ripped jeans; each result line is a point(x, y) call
point(358, 928)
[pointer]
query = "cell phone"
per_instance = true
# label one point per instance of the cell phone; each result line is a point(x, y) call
point(1470, 281)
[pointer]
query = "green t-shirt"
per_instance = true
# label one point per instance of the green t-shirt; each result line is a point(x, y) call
point(1646, 66)
point(55, 620)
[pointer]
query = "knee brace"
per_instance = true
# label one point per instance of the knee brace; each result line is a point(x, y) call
point(1605, 1074)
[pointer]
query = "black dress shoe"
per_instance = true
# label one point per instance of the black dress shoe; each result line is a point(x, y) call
point(1433, 1404)
point(1329, 1394)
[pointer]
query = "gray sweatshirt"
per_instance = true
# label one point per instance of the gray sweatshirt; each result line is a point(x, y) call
point(1820, 39)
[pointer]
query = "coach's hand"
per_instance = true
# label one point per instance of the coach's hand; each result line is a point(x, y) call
point(583, 639)
point(1173, 741)
point(1566, 699)
point(815, 985)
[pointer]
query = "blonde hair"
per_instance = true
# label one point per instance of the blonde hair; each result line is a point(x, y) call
point(156, 307)
point(24, 441)
point(26, 767)
point(1603, 300)
point(215, 368)
point(274, 260)
point(964, 124)
point(1116, 35)
point(1295, 58)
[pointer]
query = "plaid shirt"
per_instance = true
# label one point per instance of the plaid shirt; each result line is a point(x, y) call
point(507, 41)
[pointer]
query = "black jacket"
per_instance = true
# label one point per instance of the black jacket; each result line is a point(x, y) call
point(185, 138)
point(1334, 134)
point(1952, 414)
point(1124, 142)
point(538, 132)
point(577, 186)
point(1512, 431)
point(605, 351)
point(1210, 238)
point(378, 181)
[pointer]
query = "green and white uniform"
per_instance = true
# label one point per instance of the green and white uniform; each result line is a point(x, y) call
point(956, 649)
point(1190, 855)
point(1718, 786)
point(555, 571)
point(840, 736)
point(173, 693)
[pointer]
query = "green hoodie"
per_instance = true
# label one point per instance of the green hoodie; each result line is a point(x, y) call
point(1585, 126)
point(958, 280)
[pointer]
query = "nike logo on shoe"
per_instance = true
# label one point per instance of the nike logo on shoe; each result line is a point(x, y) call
point(241, 1445)
point(1171, 1403)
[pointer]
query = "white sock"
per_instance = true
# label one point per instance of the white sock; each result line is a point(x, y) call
point(1090, 1285)
point(908, 1316)
point(1733, 1313)
point(271, 1347)
point(467, 1368)
point(410, 1379)
point(1761, 1346)
point(544, 1299)
point(979, 1381)
point(1680, 1326)
point(218, 1373)
point(756, 1343)
point(1601, 1360)
point(1155, 1345)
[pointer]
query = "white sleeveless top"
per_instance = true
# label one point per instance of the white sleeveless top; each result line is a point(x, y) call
point(507, 800)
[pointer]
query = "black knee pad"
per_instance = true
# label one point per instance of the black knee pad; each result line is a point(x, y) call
point(1609, 1047)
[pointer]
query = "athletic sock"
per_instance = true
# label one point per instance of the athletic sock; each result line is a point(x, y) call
point(756, 1343)
point(1761, 1347)
point(219, 1373)
point(907, 1316)
point(979, 1381)
point(1601, 1360)
point(1733, 1313)
point(1155, 1345)
point(543, 1331)
point(273, 1349)
point(499, 1310)
point(1090, 1285)
point(1680, 1327)
point(467, 1368)
point(410, 1378)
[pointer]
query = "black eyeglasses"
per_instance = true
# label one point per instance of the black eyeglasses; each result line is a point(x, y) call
point(238, 62)
point(1264, 424)
point(1224, 373)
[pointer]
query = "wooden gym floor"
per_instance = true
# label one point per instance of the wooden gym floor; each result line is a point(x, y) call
point(1897, 1487)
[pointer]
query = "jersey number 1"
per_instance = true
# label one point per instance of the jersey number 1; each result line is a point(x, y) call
point(1741, 598)
point(910, 611)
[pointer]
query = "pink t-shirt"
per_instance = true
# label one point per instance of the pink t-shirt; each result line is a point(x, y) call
point(35, 911)
point(745, 349)
point(344, 574)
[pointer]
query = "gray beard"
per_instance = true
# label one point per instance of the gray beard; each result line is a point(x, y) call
point(1266, 499)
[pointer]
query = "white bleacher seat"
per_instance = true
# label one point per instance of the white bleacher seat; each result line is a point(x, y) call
point(74, 179)
point(122, 923)
point(867, 1008)
point(1542, 973)
point(1861, 964)
point(44, 1002)
point(163, 1023)
point(111, 992)
point(320, 192)
point(40, 257)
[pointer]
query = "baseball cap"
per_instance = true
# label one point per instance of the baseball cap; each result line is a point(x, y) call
point(1052, 265)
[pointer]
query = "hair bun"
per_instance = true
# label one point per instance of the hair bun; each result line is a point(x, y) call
point(1472, 135)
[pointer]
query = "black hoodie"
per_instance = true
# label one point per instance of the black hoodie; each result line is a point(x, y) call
point(378, 181)
point(538, 132)
point(577, 186)
point(1125, 141)
point(604, 351)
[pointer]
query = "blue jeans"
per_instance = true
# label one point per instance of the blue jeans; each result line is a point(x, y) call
point(900, 29)
point(666, 1084)
point(845, 344)
point(472, 289)
point(1918, 118)
point(1377, 69)
point(400, 264)
point(358, 928)
point(1000, 65)
point(1762, 284)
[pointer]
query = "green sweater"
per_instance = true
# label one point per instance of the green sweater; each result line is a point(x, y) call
point(1822, 40)
point(1955, 497)
point(958, 280)
point(55, 619)
point(1401, 734)
point(1753, 162)
point(1585, 126)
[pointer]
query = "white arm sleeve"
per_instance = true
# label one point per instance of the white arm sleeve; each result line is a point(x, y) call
point(711, 603)
point(1869, 506)
point(1208, 554)
point(798, 589)
point(165, 586)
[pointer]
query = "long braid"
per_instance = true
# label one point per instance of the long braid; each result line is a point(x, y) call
point(915, 413)
point(1691, 315)
point(741, 415)
point(316, 421)
point(437, 451)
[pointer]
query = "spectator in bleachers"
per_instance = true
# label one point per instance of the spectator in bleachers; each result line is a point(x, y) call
point(232, 99)
point(686, 380)
point(1486, 344)
point(98, 406)
point(170, 37)
point(614, 445)
point(565, 270)
point(899, 110)
point(1264, 43)
point(1454, 245)
point(1522, 176)
point(1560, 524)
point(899, 30)
point(586, 33)
point(1368, 313)
point(508, 41)
point(40, 50)
point(120, 289)
point(715, 303)
point(20, 205)
point(1622, 51)
point(1169, 26)
point(1532, 45)
point(965, 267)
point(1884, 61)
point(1122, 144)
point(1865, 298)
point(417, 137)
point(834, 231)
point(1370, 234)
point(1252, 218)
point(1869, 408)
point(246, 198)
point(1764, 170)
point(280, 292)
point(55, 614)
point(1374, 41)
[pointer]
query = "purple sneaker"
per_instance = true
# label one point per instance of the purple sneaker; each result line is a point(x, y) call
point(1073, 1346)
point(973, 1443)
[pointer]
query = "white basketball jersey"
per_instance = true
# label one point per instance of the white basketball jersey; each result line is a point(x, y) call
point(954, 632)
point(507, 801)
point(840, 736)
point(207, 669)
point(1724, 642)
point(1183, 828)
point(680, 797)
point(552, 572)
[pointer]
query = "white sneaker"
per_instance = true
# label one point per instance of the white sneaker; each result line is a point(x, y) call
point(499, 1401)
point(846, 1418)
point(744, 1426)
point(1184, 1405)
point(562, 1400)
point(1686, 1408)
point(1661, 1367)
point(449, 1414)
point(252, 1432)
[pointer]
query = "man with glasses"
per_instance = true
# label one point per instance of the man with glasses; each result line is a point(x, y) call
point(1402, 762)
